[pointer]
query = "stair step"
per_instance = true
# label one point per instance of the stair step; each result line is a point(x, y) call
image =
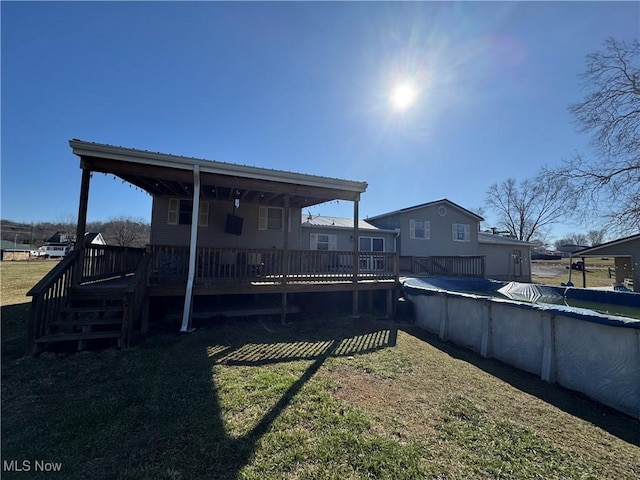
point(63, 337)
point(80, 322)
point(96, 309)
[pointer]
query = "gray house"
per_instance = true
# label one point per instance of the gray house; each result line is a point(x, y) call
point(438, 237)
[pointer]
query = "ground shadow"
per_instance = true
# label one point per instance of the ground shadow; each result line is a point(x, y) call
point(154, 411)
point(244, 343)
point(272, 343)
point(574, 403)
point(15, 319)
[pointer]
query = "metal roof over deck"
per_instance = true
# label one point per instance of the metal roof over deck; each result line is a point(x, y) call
point(162, 174)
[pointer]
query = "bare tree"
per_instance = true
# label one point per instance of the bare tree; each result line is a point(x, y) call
point(596, 237)
point(579, 239)
point(126, 232)
point(528, 209)
point(608, 183)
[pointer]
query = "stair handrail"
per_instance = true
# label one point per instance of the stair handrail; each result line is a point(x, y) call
point(49, 297)
point(135, 298)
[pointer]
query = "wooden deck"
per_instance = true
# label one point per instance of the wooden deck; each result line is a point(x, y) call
point(223, 271)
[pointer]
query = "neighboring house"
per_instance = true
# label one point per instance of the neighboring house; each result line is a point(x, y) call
point(56, 246)
point(431, 234)
point(94, 238)
point(626, 254)
point(505, 258)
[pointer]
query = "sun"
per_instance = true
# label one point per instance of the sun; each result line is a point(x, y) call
point(403, 97)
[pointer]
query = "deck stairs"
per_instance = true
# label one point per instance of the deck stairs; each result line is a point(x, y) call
point(91, 313)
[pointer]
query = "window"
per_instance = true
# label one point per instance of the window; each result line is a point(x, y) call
point(461, 232)
point(320, 241)
point(271, 218)
point(180, 211)
point(419, 229)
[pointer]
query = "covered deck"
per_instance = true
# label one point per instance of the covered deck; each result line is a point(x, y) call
point(104, 292)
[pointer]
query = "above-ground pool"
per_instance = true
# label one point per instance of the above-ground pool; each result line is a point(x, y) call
point(541, 329)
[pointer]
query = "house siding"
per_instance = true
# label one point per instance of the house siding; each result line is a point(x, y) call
point(440, 242)
point(214, 234)
point(499, 262)
point(345, 237)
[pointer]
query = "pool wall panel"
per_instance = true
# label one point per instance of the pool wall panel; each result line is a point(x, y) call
point(598, 358)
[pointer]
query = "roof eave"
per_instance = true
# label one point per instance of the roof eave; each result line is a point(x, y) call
point(89, 149)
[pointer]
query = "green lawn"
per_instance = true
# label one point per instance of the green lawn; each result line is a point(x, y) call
point(322, 397)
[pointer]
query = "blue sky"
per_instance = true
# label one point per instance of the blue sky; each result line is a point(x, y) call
point(295, 86)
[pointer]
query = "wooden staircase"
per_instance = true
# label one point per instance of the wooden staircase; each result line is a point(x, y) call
point(96, 293)
point(91, 314)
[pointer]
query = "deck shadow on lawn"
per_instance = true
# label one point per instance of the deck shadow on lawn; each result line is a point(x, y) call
point(253, 343)
point(15, 319)
point(575, 403)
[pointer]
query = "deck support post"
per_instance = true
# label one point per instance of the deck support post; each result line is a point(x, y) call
point(81, 227)
point(356, 260)
point(283, 314)
point(195, 216)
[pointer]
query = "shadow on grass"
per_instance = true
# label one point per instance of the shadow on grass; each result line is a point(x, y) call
point(15, 319)
point(154, 411)
point(574, 403)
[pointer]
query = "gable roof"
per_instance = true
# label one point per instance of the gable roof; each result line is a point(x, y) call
point(93, 237)
point(338, 222)
point(428, 204)
point(162, 174)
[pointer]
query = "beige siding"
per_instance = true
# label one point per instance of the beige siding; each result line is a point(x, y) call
point(345, 237)
point(214, 234)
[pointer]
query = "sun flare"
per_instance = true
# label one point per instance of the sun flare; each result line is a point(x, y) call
point(403, 97)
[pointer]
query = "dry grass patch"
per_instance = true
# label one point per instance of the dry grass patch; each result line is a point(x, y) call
point(465, 408)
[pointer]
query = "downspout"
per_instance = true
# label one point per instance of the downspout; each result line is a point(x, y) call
point(356, 258)
point(195, 215)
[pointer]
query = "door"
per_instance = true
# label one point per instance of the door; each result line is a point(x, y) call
point(370, 259)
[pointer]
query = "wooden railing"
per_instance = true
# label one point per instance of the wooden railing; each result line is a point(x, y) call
point(101, 262)
point(214, 265)
point(49, 297)
point(471, 266)
point(135, 301)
